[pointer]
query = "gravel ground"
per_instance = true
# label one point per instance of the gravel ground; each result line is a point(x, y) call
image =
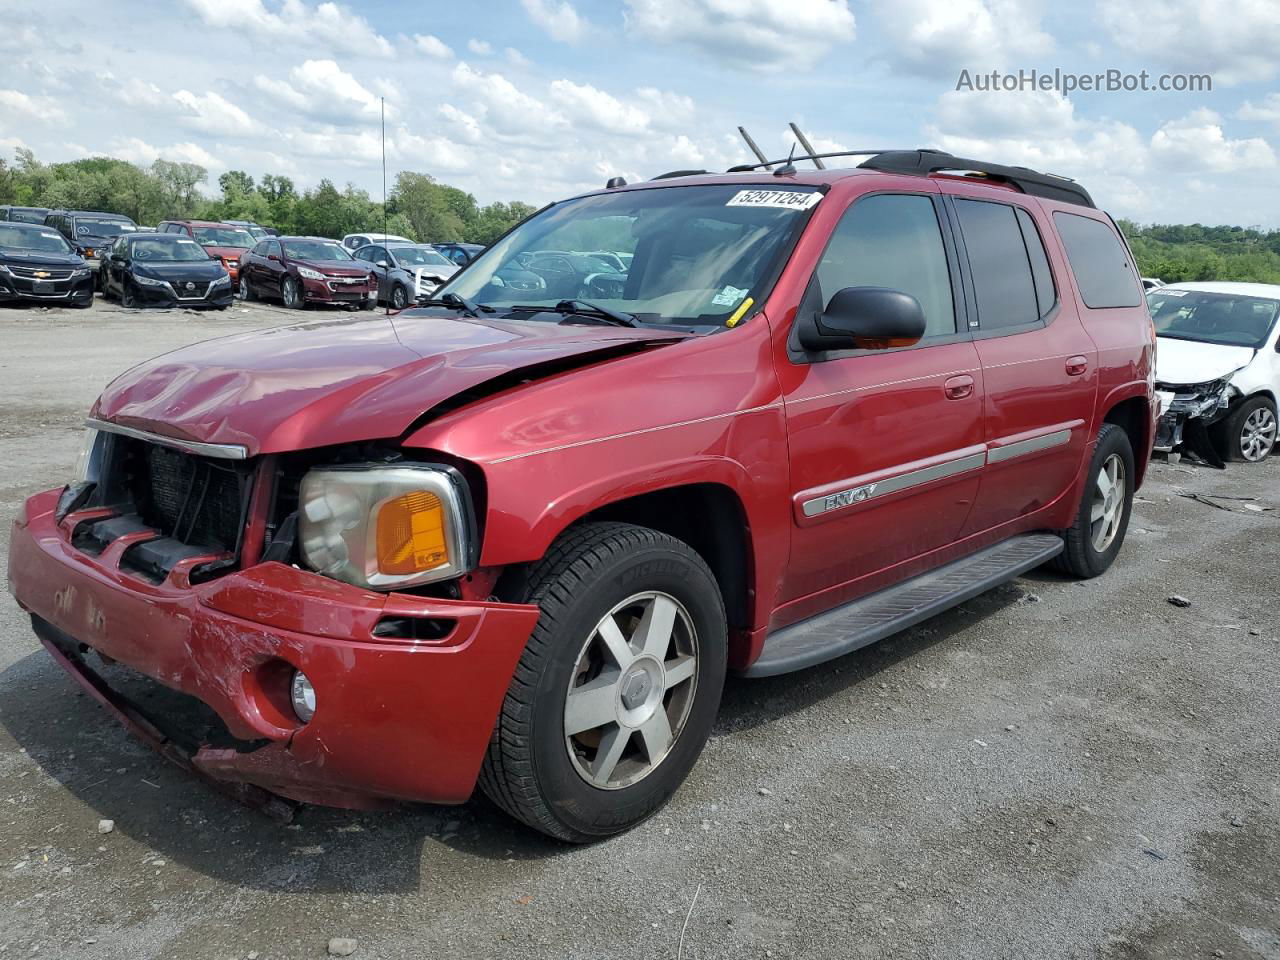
point(1055, 769)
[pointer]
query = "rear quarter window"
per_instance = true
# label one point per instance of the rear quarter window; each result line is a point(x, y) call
point(1099, 262)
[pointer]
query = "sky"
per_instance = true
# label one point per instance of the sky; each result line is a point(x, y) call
point(539, 99)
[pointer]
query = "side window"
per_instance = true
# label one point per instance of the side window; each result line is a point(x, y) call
point(378, 253)
point(1002, 280)
point(273, 246)
point(1041, 274)
point(1099, 262)
point(895, 241)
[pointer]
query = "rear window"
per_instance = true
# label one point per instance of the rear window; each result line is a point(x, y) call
point(1002, 277)
point(1099, 262)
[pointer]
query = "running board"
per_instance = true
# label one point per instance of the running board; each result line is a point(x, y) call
point(845, 629)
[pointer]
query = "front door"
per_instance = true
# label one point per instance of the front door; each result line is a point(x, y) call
point(886, 445)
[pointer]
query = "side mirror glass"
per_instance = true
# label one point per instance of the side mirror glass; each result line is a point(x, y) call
point(274, 257)
point(864, 318)
point(383, 264)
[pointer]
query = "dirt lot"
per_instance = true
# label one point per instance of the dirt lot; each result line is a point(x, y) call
point(1056, 769)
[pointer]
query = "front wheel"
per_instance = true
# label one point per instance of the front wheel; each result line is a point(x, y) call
point(244, 291)
point(618, 687)
point(1095, 538)
point(291, 294)
point(399, 297)
point(128, 296)
point(1248, 434)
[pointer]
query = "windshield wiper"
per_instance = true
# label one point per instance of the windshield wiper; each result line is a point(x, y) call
point(455, 302)
point(582, 308)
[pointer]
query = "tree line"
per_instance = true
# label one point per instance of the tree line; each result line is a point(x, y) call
point(1176, 252)
point(418, 206)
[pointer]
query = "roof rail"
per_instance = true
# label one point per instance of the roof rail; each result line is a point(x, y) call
point(678, 173)
point(924, 162)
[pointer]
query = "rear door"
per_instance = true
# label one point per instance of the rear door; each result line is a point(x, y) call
point(885, 445)
point(1039, 366)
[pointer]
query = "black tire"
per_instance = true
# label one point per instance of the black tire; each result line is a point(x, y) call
point(369, 302)
point(128, 298)
point(1080, 558)
point(102, 285)
point(586, 573)
point(399, 297)
point(245, 292)
point(291, 294)
point(1229, 434)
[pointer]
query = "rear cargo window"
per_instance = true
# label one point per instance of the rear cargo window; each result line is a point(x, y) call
point(1099, 262)
point(1002, 278)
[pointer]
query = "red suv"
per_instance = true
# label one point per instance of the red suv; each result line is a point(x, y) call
point(224, 242)
point(302, 270)
point(518, 540)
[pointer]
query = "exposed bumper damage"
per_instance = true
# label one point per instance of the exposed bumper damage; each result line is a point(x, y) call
point(395, 718)
point(1187, 413)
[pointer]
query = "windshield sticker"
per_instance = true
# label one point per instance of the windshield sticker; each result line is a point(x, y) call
point(1173, 293)
point(728, 297)
point(189, 243)
point(784, 199)
point(50, 236)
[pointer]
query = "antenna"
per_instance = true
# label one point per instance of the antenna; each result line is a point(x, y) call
point(383, 102)
point(804, 142)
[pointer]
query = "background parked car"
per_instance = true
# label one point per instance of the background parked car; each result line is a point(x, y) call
point(1217, 368)
point(163, 269)
point(570, 275)
point(397, 266)
point(302, 270)
point(460, 253)
point(23, 214)
point(256, 230)
point(354, 241)
point(89, 232)
point(37, 263)
point(223, 241)
point(1150, 283)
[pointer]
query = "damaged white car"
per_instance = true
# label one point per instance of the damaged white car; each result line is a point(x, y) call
point(1217, 369)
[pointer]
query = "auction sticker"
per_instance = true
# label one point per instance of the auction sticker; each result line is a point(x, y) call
point(784, 199)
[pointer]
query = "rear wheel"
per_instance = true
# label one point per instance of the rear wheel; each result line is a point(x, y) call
point(291, 294)
point(618, 687)
point(1248, 434)
point(1095, 538)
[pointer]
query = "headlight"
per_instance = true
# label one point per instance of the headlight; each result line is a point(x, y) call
point(90, 460)
point(310, 274)
point(148, 282)
point(225, 278)
point(82, 272)
point(386, 526)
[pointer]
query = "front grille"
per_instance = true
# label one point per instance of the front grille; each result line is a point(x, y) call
point(191, 290)
point(48, 273)
point(195, 500)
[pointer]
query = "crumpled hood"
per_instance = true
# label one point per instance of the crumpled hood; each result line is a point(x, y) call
point(341, 380)
point(1192, 361)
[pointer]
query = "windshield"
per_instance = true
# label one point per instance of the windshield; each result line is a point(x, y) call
point(45, 241)
point(223, 236)
point(26, 216)
point(153, 249)
point(420, 257)
point(90, 227)
point(1225, 318)
point(697, 253)
point(315, 250)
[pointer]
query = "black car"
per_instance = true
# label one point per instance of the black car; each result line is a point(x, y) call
point(406, 271)
point(89, 232)
point(163, 269)
point(460, 253)
point(17, 214)
point(37, 263)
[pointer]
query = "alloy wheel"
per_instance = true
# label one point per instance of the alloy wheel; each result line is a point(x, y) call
point(631, 690)
point(243, 292)
point(289, 292)
point(1258, 434)
point(1108, 503)
point(398, 298)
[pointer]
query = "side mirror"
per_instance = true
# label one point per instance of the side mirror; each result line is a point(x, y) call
point(275, 257)
point(383, 264)
point(865, 318)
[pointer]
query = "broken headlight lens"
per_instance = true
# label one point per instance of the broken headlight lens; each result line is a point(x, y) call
point(89, 462)
point(385, 526)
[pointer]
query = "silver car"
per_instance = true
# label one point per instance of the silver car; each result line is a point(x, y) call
point(407, 272)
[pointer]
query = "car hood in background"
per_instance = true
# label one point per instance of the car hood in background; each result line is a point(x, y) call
point(230, 253)
point(332, 268)
point(1193, 361)
point(38, 259)
point(340, 381)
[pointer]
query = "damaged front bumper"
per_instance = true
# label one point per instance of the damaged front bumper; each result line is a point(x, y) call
point(395, 719)
point(1187, 412)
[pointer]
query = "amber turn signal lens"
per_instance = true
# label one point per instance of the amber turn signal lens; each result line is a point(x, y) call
point(410, 536)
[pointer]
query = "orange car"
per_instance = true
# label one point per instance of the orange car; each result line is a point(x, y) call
point(223, 241)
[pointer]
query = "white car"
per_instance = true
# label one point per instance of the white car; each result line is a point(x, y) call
point(354, 241)
point(1217, 368)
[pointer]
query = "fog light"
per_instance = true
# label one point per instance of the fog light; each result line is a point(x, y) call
point(303, 695)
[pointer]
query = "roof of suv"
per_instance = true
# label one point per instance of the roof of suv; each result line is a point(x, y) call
point(90, 213)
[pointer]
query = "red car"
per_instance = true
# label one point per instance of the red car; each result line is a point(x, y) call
point(518, 540)
point(302, 270)
point(224, 242)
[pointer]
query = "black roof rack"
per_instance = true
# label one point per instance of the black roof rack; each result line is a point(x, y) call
point(678, 173)
point(921, 163)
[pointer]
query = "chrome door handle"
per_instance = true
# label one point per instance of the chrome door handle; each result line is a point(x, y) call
point(1077, 365)
point(958, 387)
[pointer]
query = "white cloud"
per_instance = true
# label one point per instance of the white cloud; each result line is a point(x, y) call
point(137, 150)
point(327, 25)
point(481, 48)
point(22, 108)
point(432, 46)
point(215, 115)
point(1197, 143)
point(584, 105)
point(667, 109)
point(1268, 111)
point(938, 37)
point(558, 18)
point(749, 34)
point(508, 110)
point(135, 92)
point(467, 127)
point(323, 90)
point(1235, 40)
point(516, 58)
